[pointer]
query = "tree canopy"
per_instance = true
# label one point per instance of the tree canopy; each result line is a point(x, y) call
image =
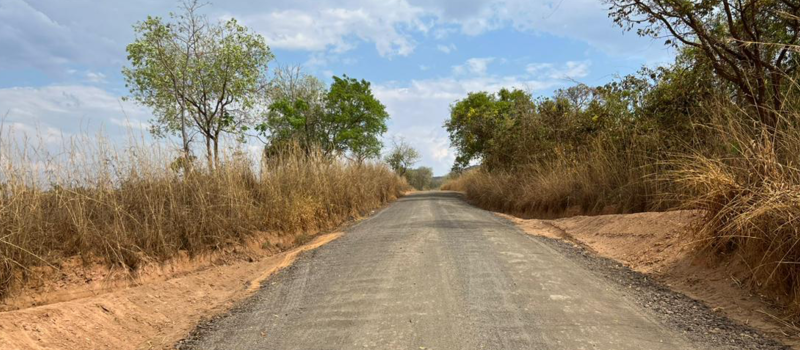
point(475, 119)
point(401, 157)
point(345, 119)
point(197, 74)
point(210, 79)
point(354, 119)
point(749, 43)
point(296, 111)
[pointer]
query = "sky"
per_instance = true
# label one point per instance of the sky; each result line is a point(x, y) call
point(60, 61)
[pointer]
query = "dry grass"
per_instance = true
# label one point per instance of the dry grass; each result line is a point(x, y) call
point(604, 180)
point(130, 206)
point(745, 181)
point(749, 190)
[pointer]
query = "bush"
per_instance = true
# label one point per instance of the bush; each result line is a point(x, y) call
point(420, 178)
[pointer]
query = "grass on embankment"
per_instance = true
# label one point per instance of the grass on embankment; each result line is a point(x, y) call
point(603, 180)
point(133, 206)
point(746, 183)
point(749, 192)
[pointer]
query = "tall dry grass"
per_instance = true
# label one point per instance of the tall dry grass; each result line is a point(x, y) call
point(748, 189)
point(744, 180)
point(132, 205)
point(604, 179)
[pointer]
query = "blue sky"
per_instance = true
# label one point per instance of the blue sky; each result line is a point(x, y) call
point(60, 60)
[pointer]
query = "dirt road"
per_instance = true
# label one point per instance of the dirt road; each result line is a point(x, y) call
point(432, 272)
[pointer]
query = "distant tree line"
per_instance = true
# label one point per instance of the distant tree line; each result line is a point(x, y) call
point(655, 109)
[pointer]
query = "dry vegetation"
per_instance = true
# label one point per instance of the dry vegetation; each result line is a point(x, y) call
point(717, 131)
point(600, 181)
point(132, 206)
point(745, 181)
point(749, 195)
point(675, 137)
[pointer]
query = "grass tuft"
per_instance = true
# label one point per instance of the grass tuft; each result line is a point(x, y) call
point(748, 190)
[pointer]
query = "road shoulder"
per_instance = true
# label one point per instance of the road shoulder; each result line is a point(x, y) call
point(639, 252)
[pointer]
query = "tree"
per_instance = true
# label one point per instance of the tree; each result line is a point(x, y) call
point(420, 178)
point(353, 120)
point(477, 119)
point(749, 43)
point(470, 126)
point(212, 72)
point(401, 157)
point(296, 110)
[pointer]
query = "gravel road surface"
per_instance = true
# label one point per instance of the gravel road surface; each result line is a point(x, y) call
point(432, 272)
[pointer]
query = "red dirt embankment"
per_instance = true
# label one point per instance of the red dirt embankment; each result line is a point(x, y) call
point(91, 307)
point(651, 243)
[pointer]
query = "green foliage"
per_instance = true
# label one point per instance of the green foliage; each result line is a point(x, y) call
point(343, 120)
point(191, 71)
point(354, 119)
point(296, 112)
point(654, 111)
point(420, 178)
point(157, 73)
point(401, 157)
point(475, 120)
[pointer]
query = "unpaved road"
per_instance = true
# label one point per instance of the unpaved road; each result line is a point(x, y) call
point(432, 272)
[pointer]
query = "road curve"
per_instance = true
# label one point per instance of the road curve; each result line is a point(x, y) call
point(432, 272)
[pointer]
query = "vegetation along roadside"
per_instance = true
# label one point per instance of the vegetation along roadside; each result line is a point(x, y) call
point(716, 132)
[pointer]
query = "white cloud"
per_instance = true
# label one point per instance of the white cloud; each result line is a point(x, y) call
point(70, 109)
point(419, 108)
point(475, 66)
point(51, 35)
point(584, 20)
point(446, 48)
point(95, 77)
point(322, 27)
point(568, 70)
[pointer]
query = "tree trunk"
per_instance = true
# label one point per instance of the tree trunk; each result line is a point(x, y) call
point(184, 136)
point(216, 152)
point(185, 139)
point(209, 153)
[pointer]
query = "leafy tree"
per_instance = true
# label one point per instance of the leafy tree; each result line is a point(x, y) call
point(296, 112)
point(212, 72)
point(477, 119)
point(354, 119)
point(163, 57)
point(749, 43)
point(678, 100)
point(345, 119)
point(401, 157)
point(420, 178)
point(471, 124)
